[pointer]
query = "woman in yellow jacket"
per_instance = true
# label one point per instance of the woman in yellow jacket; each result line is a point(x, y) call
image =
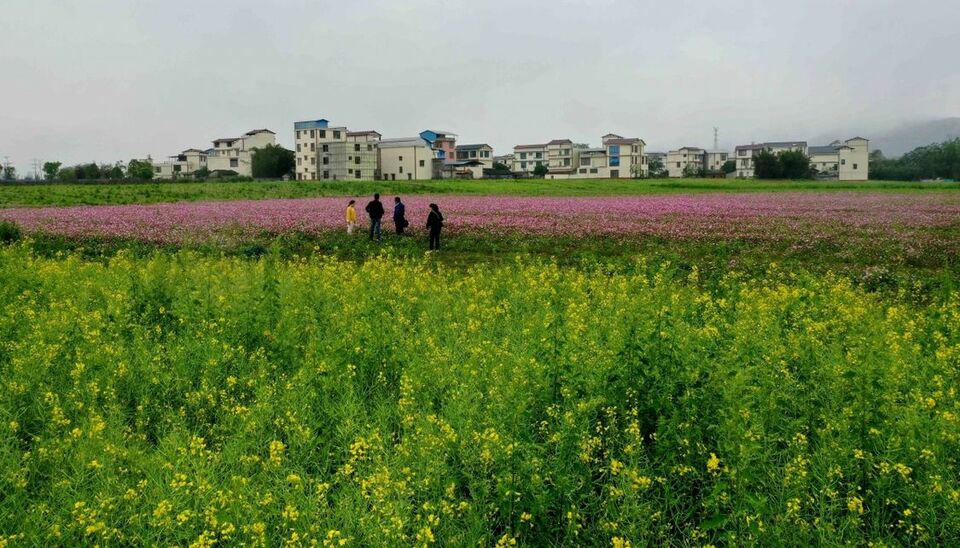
point(351, 217)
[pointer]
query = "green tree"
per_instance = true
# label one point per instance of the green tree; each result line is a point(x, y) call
point(116, 172)
point(541, 170)
point(766, 165)
point(795, 165)
point(9, 173)
point(656, 168)
point(272, 162)
point(729, 166)
point(139, 170)
point(67, 174)
point(201, 173)
point(50, 169)
point(691, 170)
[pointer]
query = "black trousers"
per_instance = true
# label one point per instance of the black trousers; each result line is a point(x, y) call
point(434, 239)
point(399, 223)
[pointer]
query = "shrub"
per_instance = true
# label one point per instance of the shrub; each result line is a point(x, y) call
point(9, 232)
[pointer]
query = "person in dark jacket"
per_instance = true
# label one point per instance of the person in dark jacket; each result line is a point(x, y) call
point(434, 223)
point(375, 211)
point(399, 220)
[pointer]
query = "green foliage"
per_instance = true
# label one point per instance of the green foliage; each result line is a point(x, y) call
point(176, 397)
point(9, 173)
point(139, 170)
point(116, 173)
point(766, 165)
point(939, 160)
point(86, 172)
point(796, 165)
point(9, 232)
point(540, 170)
point(202, 173)
point(656, 168)
point(272, 162)
point(501, 170)
point(729, 166)
point(691, 170)
point(50, 170)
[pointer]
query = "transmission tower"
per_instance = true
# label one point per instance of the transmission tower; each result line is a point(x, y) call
point(716, 138)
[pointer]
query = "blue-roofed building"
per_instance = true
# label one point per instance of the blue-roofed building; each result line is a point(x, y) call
point(443, 143)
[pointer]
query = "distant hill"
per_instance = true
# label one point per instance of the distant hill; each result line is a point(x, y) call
point(907, 137)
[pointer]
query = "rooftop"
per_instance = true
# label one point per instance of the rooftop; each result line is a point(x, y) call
point(560, 142)
point(622, 141)
point(256, 131)
point(529, 146)
point(474, 147)
point(403, 142)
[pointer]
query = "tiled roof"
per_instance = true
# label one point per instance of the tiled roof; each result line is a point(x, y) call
point(368, 132)
point(828, 149)
point(621, 141)
point(560, 142)
point(529, 146)
point(226, 139)
point(403, 142)
point(256, 131)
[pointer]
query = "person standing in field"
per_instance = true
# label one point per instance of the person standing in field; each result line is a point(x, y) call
point(399, 220)
point(375, 211)
point(351, 216)
point(434, 223)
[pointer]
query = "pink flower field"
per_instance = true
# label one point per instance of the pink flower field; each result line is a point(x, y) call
point(788, 215)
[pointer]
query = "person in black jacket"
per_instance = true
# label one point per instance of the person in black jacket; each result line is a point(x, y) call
point(434, 223)
point(399, 220)
point(375, 211)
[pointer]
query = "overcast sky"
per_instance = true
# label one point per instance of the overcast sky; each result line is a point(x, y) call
point(108, 80)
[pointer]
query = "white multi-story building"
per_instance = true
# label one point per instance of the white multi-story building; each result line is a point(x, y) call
point(406, 159)
point(617, 157)
point(526, 158)
point(845, 161)
point(744, 154)
point(228, 156)
point(694, 161)
point(181, 165)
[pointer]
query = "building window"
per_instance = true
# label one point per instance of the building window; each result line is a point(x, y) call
point(233, 162)
point(585, 161)
point(325, 148)
point(326, 174)
point(678, 164)
point(538, 155)
point(523, 155)
point(401, 158)
point(356, 160)
point(357, 173)
point(843, 162)
point(298, 147)
point(400, 169)
point(854, 166)
point(593, 170)
point(313, 147)
point(312, 133)
point(326, 160)
point(350, 171)
point(421, 163)
point(336, 134)
point(614, 161)
point(323, 134)
point(298, 161)
point(356, 147)
point(523, 165)
point(583, 170)
point(369, 148)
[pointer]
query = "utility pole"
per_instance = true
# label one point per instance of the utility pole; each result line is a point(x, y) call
point(716, 138)
point(36, 169)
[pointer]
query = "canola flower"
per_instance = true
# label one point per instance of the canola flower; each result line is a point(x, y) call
point(183, 398)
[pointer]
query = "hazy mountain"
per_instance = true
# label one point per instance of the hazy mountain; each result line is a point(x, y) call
point(907, 137)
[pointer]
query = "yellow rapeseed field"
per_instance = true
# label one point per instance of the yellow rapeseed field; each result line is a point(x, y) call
point(190, 399)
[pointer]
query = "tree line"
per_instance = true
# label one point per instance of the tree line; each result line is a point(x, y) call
point(935, 161)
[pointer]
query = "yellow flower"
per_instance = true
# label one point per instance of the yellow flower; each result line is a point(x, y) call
point(855, 505)
point(713, 463)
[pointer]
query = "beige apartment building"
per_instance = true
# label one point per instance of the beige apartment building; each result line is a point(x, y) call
point(743, 154)
point(842, 160)
point(229, 156)
point(618, 157)
point(846, 161)
point(235, 154)
point(181, 165)
point(483, 153)
point(406, 159)
point(526, 158)
point(694, 160)
point(325, 152)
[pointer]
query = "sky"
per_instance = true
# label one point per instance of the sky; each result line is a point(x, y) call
point(109, 80)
